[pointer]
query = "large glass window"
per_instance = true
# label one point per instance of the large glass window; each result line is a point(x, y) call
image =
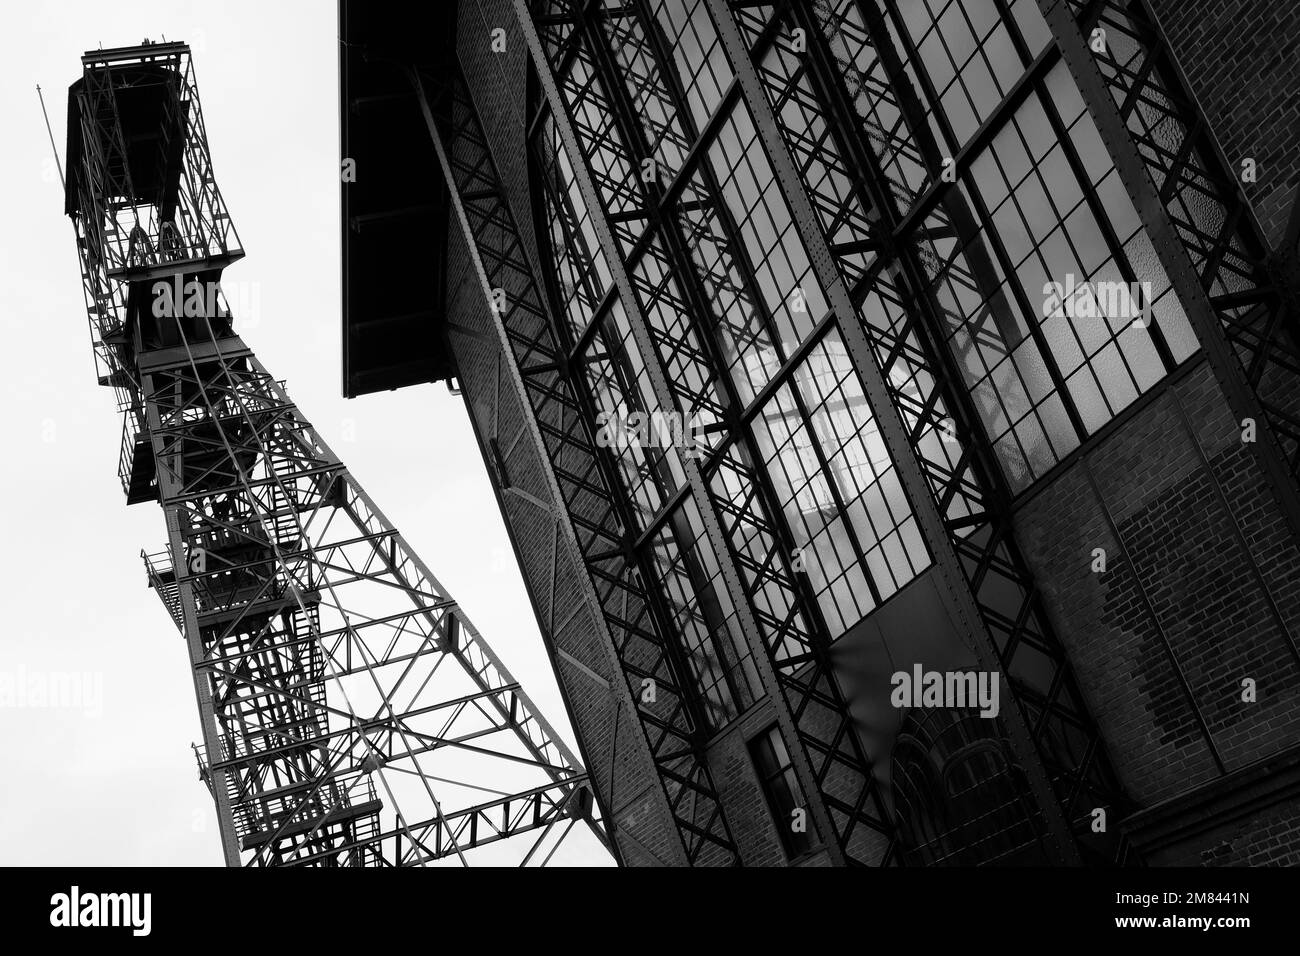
point(705, 617)
point(697, 52)
point(968, 56)
point(579, 278)
point(1049, 293)
point(842, 498)
point(1053, 300)
point(749, 257)
point(742, 326)
point(856, 536)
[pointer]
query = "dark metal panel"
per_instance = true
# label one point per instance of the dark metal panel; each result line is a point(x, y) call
point(394, 204)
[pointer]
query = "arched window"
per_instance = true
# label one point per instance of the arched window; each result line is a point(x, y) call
point(959, 797)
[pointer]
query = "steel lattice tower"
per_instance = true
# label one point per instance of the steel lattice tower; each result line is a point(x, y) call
point(351, 714)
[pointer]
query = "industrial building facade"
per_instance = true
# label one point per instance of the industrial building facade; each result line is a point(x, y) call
point(976, 350)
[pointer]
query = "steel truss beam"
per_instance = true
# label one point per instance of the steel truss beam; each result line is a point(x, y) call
point(600, 514)
point(859, 209)
point(352, 715)
point(593, 64)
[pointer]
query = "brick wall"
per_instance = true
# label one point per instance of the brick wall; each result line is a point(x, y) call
point(1267, 838)
point(1270, 838)
point(497, 84)
point(1188, 605)
point(1242, 59)
point(743, 800)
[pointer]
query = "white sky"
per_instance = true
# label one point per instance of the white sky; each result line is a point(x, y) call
point(121, 787)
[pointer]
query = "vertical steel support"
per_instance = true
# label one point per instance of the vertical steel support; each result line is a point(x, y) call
point(168, 486)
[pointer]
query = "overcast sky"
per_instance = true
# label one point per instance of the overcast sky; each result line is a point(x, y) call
point(116, 783)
